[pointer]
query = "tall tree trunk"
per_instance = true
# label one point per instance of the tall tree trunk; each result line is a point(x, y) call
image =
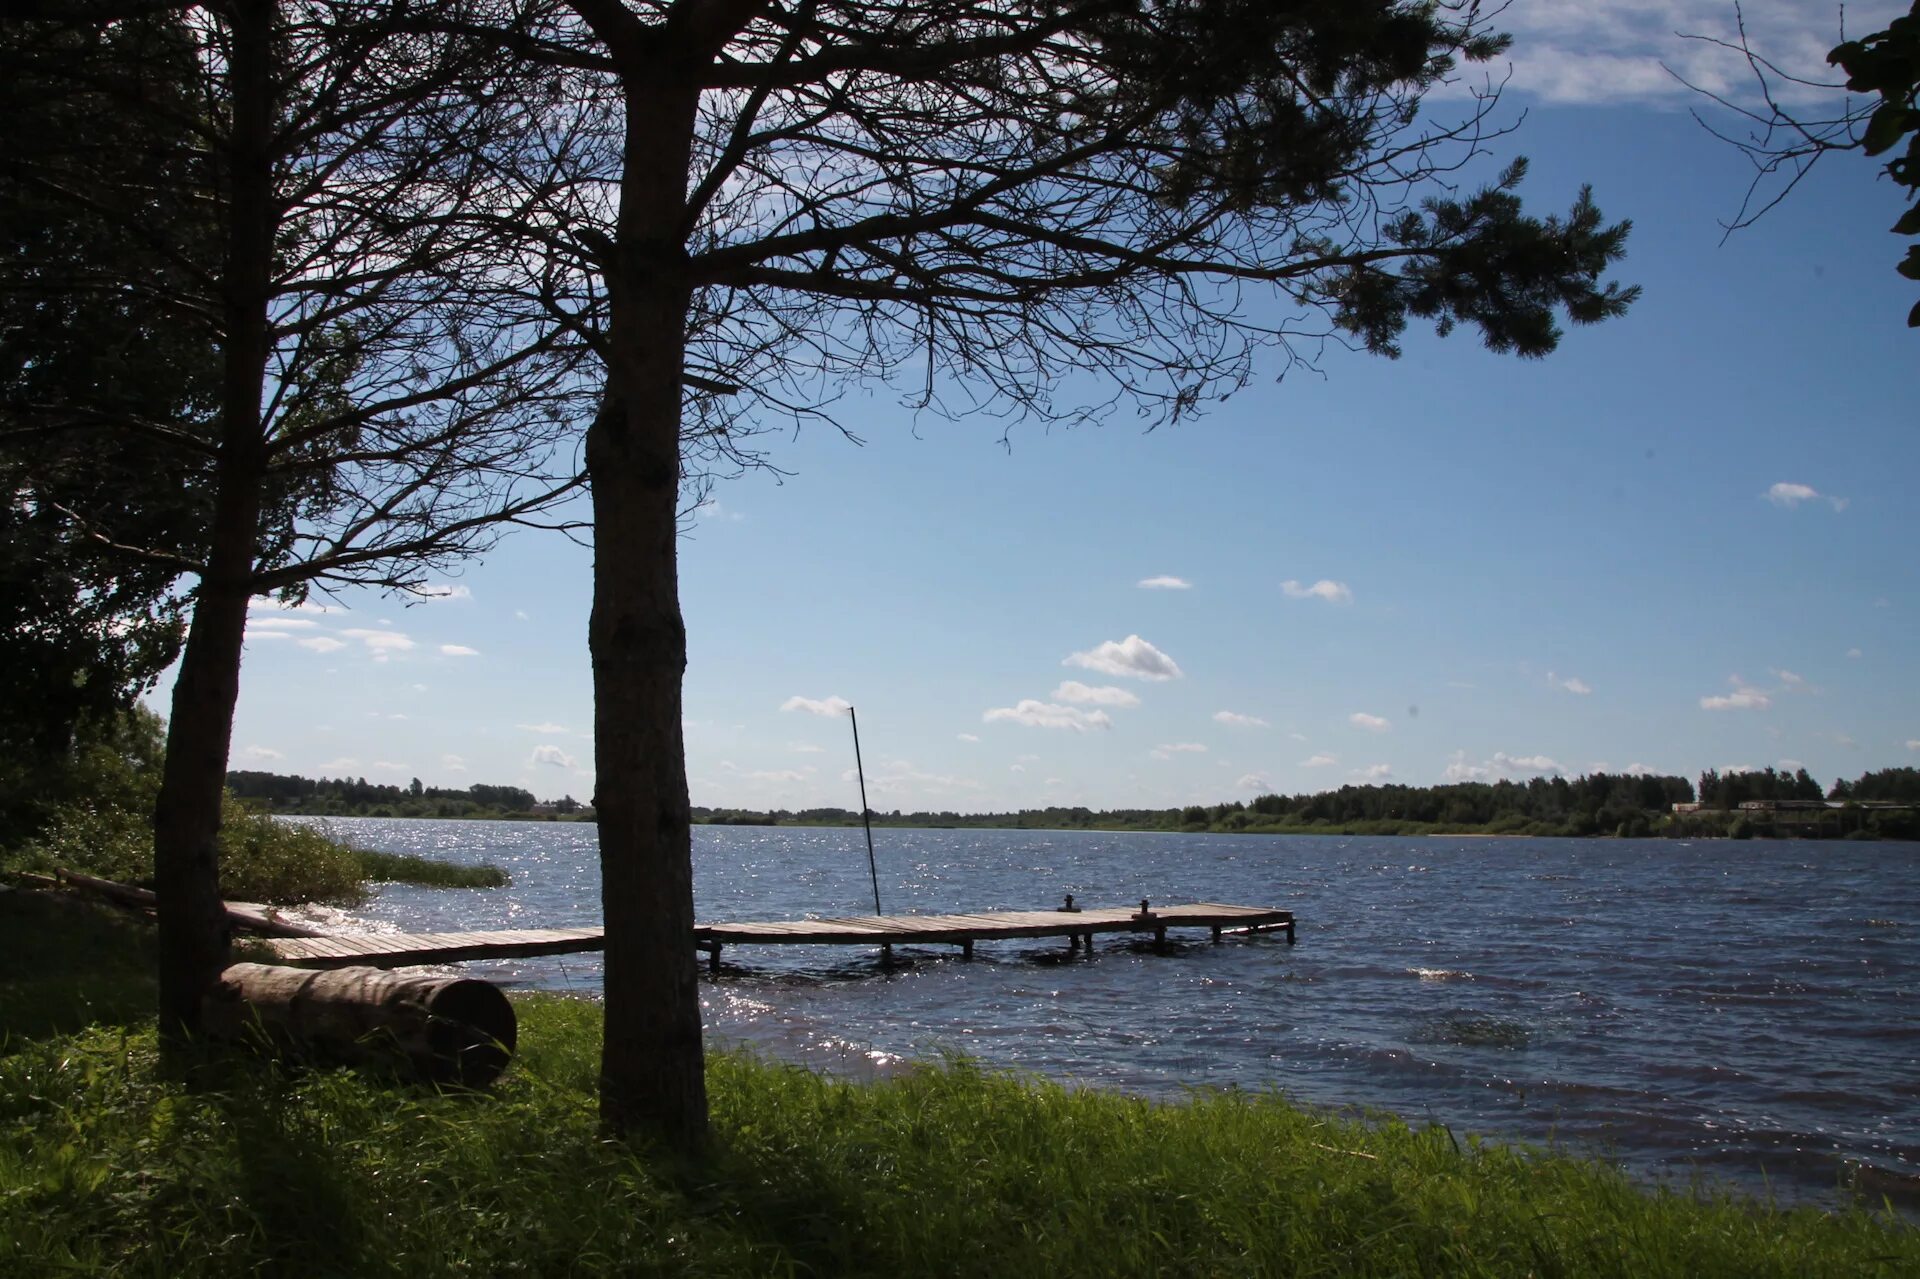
point(186, 825)
point(652, 1068)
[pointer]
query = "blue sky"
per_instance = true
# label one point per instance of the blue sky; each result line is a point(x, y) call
point(1684, 541)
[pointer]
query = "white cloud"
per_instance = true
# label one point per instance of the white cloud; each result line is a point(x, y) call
point(969, 737)
point(1324, 589)
point(1373, 773)
point(453, 763)
point(1789, 765)
point(1131, 656)
point(1913, 743)
point(272, 622)
point(522, 614)
point(262, 752)
point(253, 633)
point(1460, 769)
point(711, 510)
point(1167, 750)
point(391, 767)
point(1791, 495)
point(830, 706)
point(339, 765)
point(1639, 770)
point(552, 755)
point(1074, 691)
point(1164, 584)
point(806, 748)
point(323, 644)
point(1372, 723)
point(1037, 714)
point(1789, 682)
point(1252, 781)
point(1235, 719)
point(444, 591)
point(543, 728)
point(1572, 684)
point(1618, 51)
point(378, 641)
point(1743, 698)
point(901, 777)
point(1319, 761)
point(458, 650)
point(1853, 652)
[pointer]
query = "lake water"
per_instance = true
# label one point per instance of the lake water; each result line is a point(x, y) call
point(1746, 1013)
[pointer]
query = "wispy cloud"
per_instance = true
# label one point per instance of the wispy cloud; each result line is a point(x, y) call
point(262, 752)
point(1252, 781)
point(379, 641)
point(1321, 760)
point(1132, 657)
point(444, 591)
point(1792, 495)
point(1853, 652)
point(1571, 684)
point(1618, 51)
point(1167, 750)
point(969, 737)
point(817, 706)
point(1164, 584)
point(323, 644)
point(339, 765)
point(543, 728)
point(1080, 694)
point(1913, 743)
point(1038, 714)
point(806, 748)
point(1234, 719)
point(1461, 769)
point(1372, 723)
point(279, 622)
point(550, 755)
point(453, 763)
point(458, 650)
point(1324, 589)
point(1743, 698)
point(1373, 773)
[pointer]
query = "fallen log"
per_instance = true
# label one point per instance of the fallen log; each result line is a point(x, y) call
point(246, 916)
point(447, 1029)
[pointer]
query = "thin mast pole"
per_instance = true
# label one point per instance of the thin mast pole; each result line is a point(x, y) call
point(866, 814)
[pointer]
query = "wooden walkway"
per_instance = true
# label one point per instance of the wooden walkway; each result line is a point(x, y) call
point(1079, 927)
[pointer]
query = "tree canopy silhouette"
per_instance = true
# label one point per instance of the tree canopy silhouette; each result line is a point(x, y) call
point(1016, 208)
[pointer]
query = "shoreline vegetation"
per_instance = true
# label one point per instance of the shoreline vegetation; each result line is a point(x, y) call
point(1747, 805)
point(109, 1162)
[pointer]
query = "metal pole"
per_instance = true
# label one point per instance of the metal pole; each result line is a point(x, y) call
point(866, 815)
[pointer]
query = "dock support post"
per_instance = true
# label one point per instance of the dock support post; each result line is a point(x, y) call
point(1160, 940)
point(1086, 939)
point(966, 950)
point(1216, 934)
point(1289, 930)
point(713, 958)
point(886, 955)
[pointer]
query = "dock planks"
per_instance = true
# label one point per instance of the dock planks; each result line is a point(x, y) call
point(394, 950)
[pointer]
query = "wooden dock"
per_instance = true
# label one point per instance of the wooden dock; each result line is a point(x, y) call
point(1078, 926)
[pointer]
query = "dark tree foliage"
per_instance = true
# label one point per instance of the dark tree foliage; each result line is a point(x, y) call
point(1735, 789)
point(1030, 209)
point(1888, 785)
point(93, 364)
point(290, 792)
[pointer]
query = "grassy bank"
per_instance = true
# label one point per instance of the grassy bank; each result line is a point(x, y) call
point(105, 1165)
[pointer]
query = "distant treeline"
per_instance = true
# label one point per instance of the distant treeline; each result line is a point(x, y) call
point(1595, 804)
point(358, 797)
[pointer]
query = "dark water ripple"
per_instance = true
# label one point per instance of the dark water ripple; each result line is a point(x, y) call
point(1745, 1013)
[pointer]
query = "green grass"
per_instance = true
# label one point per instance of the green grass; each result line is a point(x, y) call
point(108, 1166)
point(405, 868)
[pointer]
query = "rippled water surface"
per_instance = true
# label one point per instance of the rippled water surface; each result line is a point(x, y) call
point(1749, 1012)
